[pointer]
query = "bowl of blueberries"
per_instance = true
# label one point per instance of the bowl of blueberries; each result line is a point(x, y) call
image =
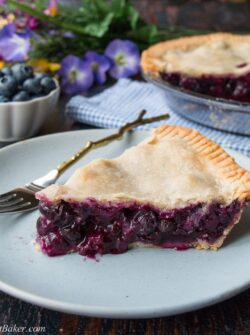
point(27, 99)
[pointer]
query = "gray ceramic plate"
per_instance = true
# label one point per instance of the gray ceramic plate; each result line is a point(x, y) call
point(137, 284)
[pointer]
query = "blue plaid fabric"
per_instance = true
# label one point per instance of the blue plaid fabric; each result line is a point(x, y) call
point(122, 102)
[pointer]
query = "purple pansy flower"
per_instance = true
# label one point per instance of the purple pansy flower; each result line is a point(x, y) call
point(76, 75)
point(99, 65)
point(14, 47)
point(125, 58)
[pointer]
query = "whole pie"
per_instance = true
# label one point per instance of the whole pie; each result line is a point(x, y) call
point(176, 189)
point(216, 64)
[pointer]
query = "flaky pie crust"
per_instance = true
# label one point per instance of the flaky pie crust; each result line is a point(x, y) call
point(225, 165)
point(150, 58)
point(175, 166)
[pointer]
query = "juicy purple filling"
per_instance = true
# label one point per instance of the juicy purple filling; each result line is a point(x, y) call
point(226, 87)
point(93, 227)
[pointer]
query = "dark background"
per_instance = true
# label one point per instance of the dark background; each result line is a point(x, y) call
point(228, 15)
point(214, 15)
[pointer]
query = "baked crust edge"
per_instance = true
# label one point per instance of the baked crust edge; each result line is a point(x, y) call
point(226, 166)
point(150, 55)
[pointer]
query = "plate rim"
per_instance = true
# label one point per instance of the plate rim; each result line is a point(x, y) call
point(118, 313)
point(45, 136)
point(71, 132)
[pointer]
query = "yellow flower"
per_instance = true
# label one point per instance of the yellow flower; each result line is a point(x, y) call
point(3, 22)
point(52, 9)
point(11, 17)
point(43, 65)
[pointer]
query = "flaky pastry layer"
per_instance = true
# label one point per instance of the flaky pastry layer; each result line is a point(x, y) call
point(212, 54)
point(173, 168)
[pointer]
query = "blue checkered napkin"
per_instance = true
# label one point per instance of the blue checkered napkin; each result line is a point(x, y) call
point(122, 103)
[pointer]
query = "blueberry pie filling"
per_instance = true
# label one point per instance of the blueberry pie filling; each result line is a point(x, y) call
point(176, 189)
point(216, 65)
point(224, 87)
point(91, 227)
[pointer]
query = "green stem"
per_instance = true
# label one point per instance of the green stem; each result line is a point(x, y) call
point(46, 18)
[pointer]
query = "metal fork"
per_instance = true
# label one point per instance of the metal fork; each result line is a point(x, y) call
point(23, 199)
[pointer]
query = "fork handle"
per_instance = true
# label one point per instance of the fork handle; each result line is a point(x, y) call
point(116, 136)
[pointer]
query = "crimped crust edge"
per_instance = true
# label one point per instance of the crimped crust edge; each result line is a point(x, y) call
point(224, 163)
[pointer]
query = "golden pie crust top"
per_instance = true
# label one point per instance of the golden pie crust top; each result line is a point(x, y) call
point(213, 54)
point(172, 168)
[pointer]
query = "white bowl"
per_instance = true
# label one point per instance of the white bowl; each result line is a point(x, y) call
point(20, 120)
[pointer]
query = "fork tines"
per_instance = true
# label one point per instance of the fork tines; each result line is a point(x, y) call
point(20, 199)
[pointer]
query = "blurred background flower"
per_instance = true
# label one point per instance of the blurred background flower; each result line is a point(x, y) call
point(53, 36)
point(43, 65)
point(99, 64)
point(31, 22)
point(75, 74)
point(48, 33)
point(6, 19)
point(52, 9)
point(125, 58)
point(14, 46)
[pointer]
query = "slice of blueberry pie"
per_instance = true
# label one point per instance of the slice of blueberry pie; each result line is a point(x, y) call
point(216, 64)
point(177, 189)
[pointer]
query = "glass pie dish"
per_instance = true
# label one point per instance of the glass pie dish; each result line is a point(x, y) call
point(221, 114)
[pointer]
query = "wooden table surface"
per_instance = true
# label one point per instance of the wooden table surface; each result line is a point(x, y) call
point(229, 317)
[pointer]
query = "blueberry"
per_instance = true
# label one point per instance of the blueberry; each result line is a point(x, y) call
point(144, 222)
point(71, 233)
point(6, 71)
point(41, 75)
point(114, 229)
point(21, 72)
point(21, 96)
point(8, 86)
point(3, 98)
point(48, 85)
point(32, 86)
point(166, 226)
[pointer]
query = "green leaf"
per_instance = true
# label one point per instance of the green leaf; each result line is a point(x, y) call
point(147, 33)
point(89, 9)
point(40, 5)
point(98, 29)
point(133, 17)
point(118, 7)
point(102, 6)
